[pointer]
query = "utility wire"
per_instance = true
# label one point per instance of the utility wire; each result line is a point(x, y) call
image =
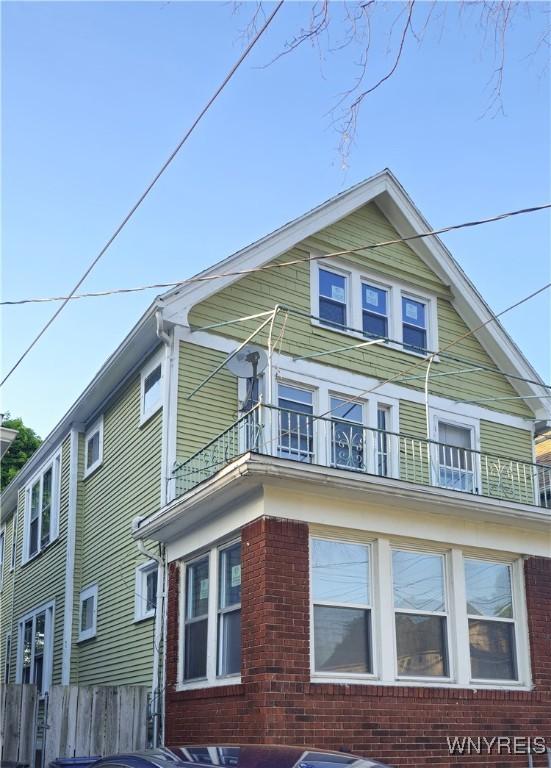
point(267, 267)
point(150, 186)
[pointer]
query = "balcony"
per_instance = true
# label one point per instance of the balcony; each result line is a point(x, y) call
point(341, 444)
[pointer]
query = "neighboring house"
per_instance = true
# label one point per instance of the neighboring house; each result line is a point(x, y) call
point(543, 456)
point(341, 567)
point(7, 436)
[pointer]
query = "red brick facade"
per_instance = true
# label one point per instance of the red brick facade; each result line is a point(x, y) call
point(277, 703)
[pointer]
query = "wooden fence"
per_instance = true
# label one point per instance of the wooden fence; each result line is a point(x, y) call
point(72, 721)
point(18, 718)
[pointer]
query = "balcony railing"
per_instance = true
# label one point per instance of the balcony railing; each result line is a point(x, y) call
point(342, 444)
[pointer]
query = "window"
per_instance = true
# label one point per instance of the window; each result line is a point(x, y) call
point(341, 596)
point(491, 620)
point(374, 311)
point(151, 388)
point(88, 612)
point(455, 457)
point(347, 434)
point(93, 447)
point(414, 325)
point(383, 448)
point(35, 648)
point(420, 614)
point(229, 611)
point(13, 542)
point(211, 627)
point(296, 425)
point(146, 591)
point(196, 621)
point(332, 298)
point(2, 544)
point(7, 659)
point(41, 509)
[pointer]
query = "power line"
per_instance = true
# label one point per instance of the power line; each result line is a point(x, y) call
point(149, 187)
point(267, 267)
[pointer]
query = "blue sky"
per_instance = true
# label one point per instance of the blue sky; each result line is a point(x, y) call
point(95, 96)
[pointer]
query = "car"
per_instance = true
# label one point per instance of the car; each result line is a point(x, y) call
point(238, 756)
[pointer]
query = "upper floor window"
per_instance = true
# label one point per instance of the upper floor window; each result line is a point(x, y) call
point(414, 324)
point(146, 591)
point(35, 646)
point(347, 434)
point(456, 469)
point(93, 447)
point(350, 301)
point(374, 311)
point(296, 425)
point(151, 384)
point(332, 298)
point(88, 611)
point(42, 508)
point(212, 616)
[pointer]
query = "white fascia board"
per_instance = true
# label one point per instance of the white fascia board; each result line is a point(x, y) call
point(389, 195)
point(113, 373)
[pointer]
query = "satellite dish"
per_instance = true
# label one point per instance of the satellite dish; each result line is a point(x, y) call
point(248, 363)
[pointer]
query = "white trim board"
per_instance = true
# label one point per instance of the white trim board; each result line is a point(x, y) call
point(385, 190)
point(354, 383)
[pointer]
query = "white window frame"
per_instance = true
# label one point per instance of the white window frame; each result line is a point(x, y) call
point(2, 555)
point(348, 298)
point(140, 601)
point(395, 289)
point(441, 614)
point(13, 554)
point(97, 426)
point(212, 678)
point(155, 362)
point(49, 609)
point(54, 462)
point(372, 608)
point(519, 645)
point(86, 594)
point(457, 630)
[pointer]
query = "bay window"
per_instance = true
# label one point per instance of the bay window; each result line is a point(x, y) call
point(42, 509)
point(211, 627)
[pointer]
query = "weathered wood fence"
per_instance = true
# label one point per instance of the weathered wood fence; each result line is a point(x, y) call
point(98, 720)
point(18, 718)
point(71, 721)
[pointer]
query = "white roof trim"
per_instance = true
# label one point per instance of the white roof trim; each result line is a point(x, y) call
point(397, 206)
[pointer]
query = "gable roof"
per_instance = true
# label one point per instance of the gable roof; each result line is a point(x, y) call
point(385, 190)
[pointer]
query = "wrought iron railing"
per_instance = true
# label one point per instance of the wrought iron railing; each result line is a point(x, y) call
point(335, 442)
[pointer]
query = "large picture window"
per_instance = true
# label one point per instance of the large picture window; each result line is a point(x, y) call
point(341, 595)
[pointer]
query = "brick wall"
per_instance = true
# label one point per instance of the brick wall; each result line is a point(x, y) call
point(276, 703)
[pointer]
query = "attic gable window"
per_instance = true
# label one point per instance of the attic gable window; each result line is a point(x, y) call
point(347, 299)
point(42, 509)
point(151, 398)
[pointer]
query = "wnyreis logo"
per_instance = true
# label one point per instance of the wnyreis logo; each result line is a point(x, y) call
point(496, 745)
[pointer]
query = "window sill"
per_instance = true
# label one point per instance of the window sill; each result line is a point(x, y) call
point(360, 336)
point(90, 471)
point(420, 683)
point(85, 638)
point(200, 684)
point(146, 417)
point(145, 617)
point(36, 555)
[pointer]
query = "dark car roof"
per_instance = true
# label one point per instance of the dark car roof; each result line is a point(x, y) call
point(239, 756)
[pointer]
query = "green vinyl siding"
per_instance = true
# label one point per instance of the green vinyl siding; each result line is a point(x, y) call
point(41, 579)
point(212, 409)
point(291, 286)
point(503, 477)
point(126, 484)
